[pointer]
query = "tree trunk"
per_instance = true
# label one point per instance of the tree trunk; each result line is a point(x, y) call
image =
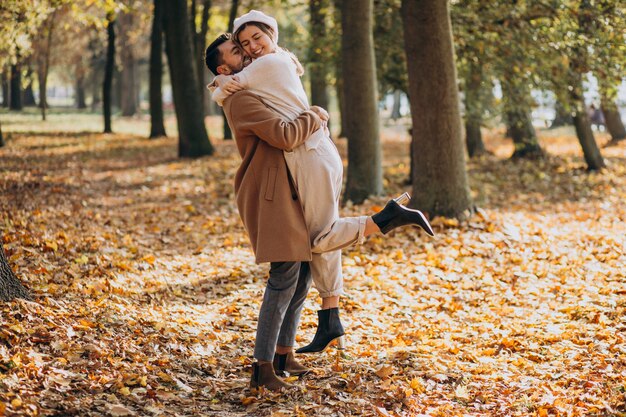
point(193, 138)
point(234, 5)
point(108, 73)
point(200, 43)
point(395, 108)
point(474, 111)
point(16, 88)
point(592, 154)
point(317, 60)
point(29, 96)
point(79, 96)
point(1, 137)
point(338, 74)
point(10, 286)
point(439, 180)
point(613, 120)
point(44, 66)
point(518, 118)
point(562, 117)
point(362, 130)
point(95, 88)
point(157, 125)
point(128, 74)
point(5, 88)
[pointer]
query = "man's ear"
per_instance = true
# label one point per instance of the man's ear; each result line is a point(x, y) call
point(224, 70)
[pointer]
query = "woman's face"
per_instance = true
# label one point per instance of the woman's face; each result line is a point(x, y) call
point(255, 42)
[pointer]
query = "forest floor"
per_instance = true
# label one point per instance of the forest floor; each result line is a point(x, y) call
point(146, 292)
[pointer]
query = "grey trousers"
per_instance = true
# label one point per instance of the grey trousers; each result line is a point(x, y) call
point(285, 292)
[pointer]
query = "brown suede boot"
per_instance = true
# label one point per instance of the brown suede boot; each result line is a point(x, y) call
point(263, 376)
point(287, 363)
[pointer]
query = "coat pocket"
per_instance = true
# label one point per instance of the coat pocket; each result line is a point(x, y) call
point(270, 184)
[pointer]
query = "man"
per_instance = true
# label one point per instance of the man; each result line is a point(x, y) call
point(271, 213)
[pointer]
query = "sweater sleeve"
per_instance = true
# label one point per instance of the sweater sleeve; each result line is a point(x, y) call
point(255, 117)
point(264, 70)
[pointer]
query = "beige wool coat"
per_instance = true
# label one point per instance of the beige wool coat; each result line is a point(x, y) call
point(267, 199)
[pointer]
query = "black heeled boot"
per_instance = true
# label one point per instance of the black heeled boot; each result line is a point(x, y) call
point(396, 215)
point(329, 328)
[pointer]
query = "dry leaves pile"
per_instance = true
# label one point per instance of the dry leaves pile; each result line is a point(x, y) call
point(146, 293)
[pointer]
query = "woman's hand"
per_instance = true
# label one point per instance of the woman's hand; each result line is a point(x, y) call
point(232, 85)
point(323, 114)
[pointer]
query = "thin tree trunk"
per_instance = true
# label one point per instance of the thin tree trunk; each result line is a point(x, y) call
point(439, 180)
point(80, 87)
point(10, 286)
point(317, 61)
point(108, 73)
point(395, 108)
point(128, 73)
point(338, 74)
point(474, 111)
point(362, 130)
point(16, 88)
point(234, 5)
point(562, 117)
point(5, 87)
point(613, 120)
point(591, 152)
point(193, 138)
point(157, 125)
point(200, 42)
point(518, 118)
point(45, 66)
point(29, 96)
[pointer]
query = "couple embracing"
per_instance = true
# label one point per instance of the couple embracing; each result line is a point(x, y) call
point(287, 189)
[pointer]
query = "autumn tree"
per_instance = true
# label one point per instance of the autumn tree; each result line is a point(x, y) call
point(439, 180)
point(360, 95)
point(126, 25)
point(157, 126)
point(193, 138)
point(107, 83)
point(318, 65)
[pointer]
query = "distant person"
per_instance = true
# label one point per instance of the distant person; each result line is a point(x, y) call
point(596, 117)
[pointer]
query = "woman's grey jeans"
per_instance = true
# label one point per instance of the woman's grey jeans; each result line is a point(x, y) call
point(285, 292)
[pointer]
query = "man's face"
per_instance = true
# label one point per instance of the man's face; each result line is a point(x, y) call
point(232, 58)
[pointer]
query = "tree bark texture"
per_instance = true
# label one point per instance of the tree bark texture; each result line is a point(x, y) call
point(80, 96)
point(317, 61)
point(29, 96)
point(587, 141)
point(360, 95)
point(157, 120)
point(193, 138)
point(16, 88)
point(44, 64)
point(439, 180)
point(10, 286)
point(613, 120)
point(5, 88)
point(474, 111)
point(107, 85)
point(129, 77)
point(234, 6)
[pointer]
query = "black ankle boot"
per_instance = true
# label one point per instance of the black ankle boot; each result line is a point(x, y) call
point(396, 215)
point(329, 328)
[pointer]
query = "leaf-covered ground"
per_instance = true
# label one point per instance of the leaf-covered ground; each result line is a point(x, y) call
point(146, 293)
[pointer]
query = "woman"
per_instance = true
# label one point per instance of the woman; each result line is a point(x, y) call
point(316, 168)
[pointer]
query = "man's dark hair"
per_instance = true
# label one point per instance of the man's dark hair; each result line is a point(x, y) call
point(213, 56)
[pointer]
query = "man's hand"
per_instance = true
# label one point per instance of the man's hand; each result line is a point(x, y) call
point(323, 114)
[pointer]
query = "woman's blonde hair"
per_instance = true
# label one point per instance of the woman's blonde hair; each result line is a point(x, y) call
point(270, 32)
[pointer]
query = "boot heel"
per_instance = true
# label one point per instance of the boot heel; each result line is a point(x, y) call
point(403, 199)
point(341, 343)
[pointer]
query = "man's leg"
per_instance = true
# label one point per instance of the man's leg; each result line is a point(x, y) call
point(279, 291)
